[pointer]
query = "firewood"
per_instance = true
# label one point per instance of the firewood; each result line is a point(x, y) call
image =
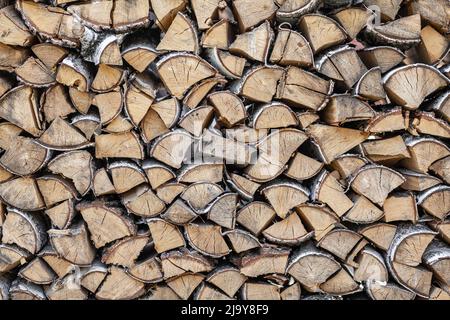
point(227, 279)
point(380, 234)
point(384, 57)
point(12, 256)
point(50, 54)
point(363, 211)
point(165, 235)
point(340, 284)
point(73, 244)
point(142, 201)
point(433, 46)
point(219, 35)
point(13, 29)
point(353, 20)
point(260, 291)
point(207, 239)
point(379, 191)
point(266, 261)
point(400, 207)
point(124, 252)
point(179, 262)
point(34, 73)
point(248, 14)
point(23, 290)
point(147, 271)
point(119, 285)
point(241, 240)
point(428, 201)
point(387, 121)
point(370, 86)
point(55, 189)
point(297, 233)
point(440, 168)
point(317, 218)
point(30, 199)
point(321, 31)
point(427, 80)
point(58, 264)
point(185, 285)
point(169, 191)
point(371, 267)
point(312, 267)
point(166, 11)
point(427, 123)
point(289, 42)
point(181, 36)
point(199, 91)
point(340, 242)
point(421, 158)
point(283, 196)
point(386, 151)
point(436, 257)
point(345, 108)
point(388, 291)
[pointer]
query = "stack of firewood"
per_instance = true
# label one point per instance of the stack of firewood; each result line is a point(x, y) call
point(224, 149)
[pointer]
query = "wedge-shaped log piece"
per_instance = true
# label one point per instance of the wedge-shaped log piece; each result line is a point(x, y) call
point(64, 289)
point(147, 271)
point(157, 173)
point(427, 123)
point(181, 36)
point(27, 230)
point(388, 291)
point(219, 35)
point(343, 65)
point(169, 191)
point(227, 279)
point(380, 234)
point(223, 210)
point(124, 252)
point(386, 151)
point(125, 175)
point(9, 132)
point(266, 260)
point(255, 216)
point(289, 231)
point(384, 57)
point(388, 9)
point(196, 120)
point(55, 189)
point(73, 244)
point(363, 211)
point(340, 284)
point(24, 156)
point(353, 20)
point(117, 15)
point(371, 267)
point(56, 103)
point(254, 44)
point(23, 290)
point(216, 148)
point(415, 279)
point(442, 169)
point(437, 258)
point(105, 223)
point(435, 13)
point(50, 54)
point(119, 145)
point(101, 184)
point(204, 12)
point(142, 201)
point(81, 100)
point(179, 262)
point(22, 193)
point(245, 187)
point(35, 74)
point(229, 65)
point(387, 120)
point(259, 83)
point(260, 291)
point(160, 292)
point(77, 166)
point(435, 201)
point(303, 167)
point(317, 218)
point(327, 189)
point(137, 102)
point(58, 264)
point(166, 11)
point(334, 141)
point(172, 148)
point(165, 235)
point(109, 105)
point(304, 89)
point(273, 115)
point(199, 91)
point(207, 239)
point(376, 182)
point(242, 241)
point(344, 108)
point(139, 54)
point(250, 14)
point(107, 78)
point(62, 136)
point(179, 213)
point(11, 57)
point(424, 152)
point(293, 292)
point(347, 164)
point(185, 285)
point(402, 33)
point(291, 10)
point(274, 152)
point(13, 30)
point(433, 47)
point(340, 242)
point(291, 48)
point(370, 86)
point(409, 244)
point(38, 272)
point(180, 71)
point(229, 108)
point(321, 31)
point(118, 285)
point(12, 256)
point(312, 267)
point(423, 80)
point(62, 214)
point(20, 107)
point(207, 172)
point(285, 195)
point(56, 25)
point(400, 207)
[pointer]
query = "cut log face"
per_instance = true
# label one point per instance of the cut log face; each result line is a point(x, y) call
point(224, 149)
